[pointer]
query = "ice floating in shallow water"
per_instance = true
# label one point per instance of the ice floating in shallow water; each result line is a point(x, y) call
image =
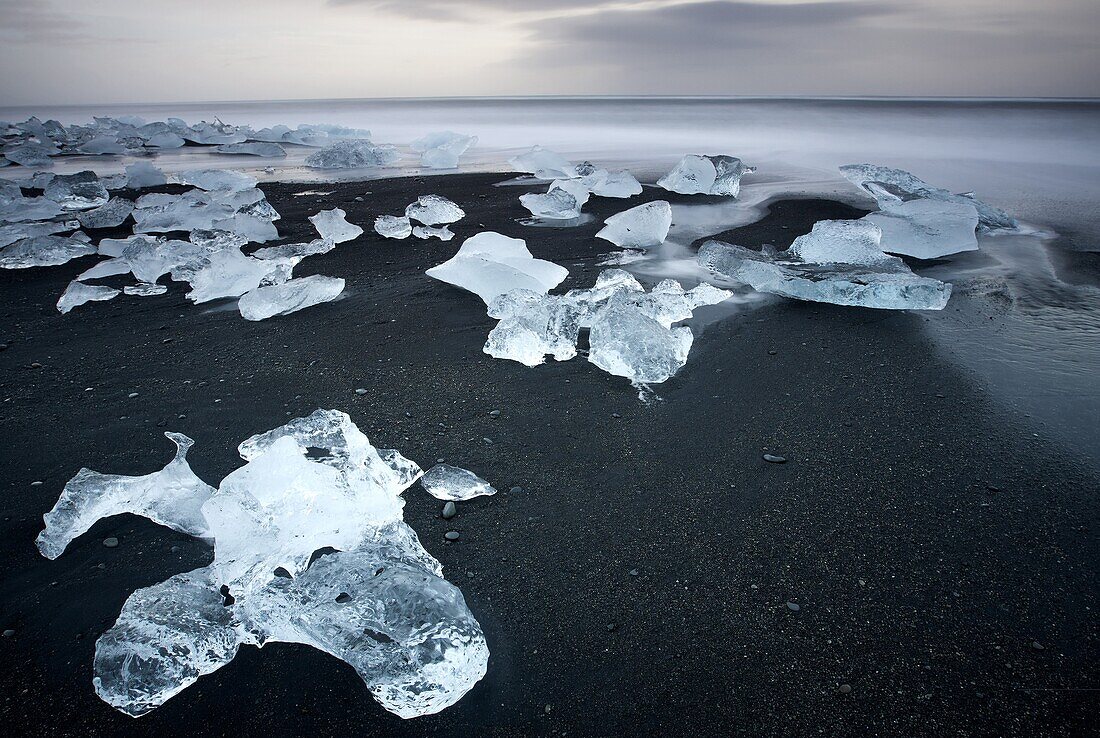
point(642, 227)
point(379, 602)
point(393, 226)
point(32, 155)
point(266, 150)
point(353, 154)
point(39, 251)
point(289, 297)
point(442, 150)
point(446, 482)
point(543, 164)
point(434, 210)
point(706, 175)
point(78, 293)
point(562, 201)
point(888, 186)
point(490, 264)
point(926, 229)
point(332, 225)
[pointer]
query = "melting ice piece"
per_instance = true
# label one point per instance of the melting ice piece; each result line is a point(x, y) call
point(166, 140)
point(78, 293)
point(229, 273)
point(43, 251)
point(18, 231)
point(433, 210)
point(143, 174)
point(424, 233)
point(172, 496)
point(543, 164)
point(442, 150)
point(332, 225)
point(145, 289)
point(446, 482)
point(22, 209)
point(490, 264)
point(352, 154)
point(612, 184)
point(289, 297)
point(109, 215)
point(79, 191)
point(888, 186)
point(706, 175)
point(295, 251)
point(34, 155)
point(393, 226)
point(225, 180)
point(842, 242)
point(533, 326)
point(642, 227)
point(926, 229)
point(626, 342)
point(266, 150)
point(886, 285)
point(101, 145)
point(562, 201)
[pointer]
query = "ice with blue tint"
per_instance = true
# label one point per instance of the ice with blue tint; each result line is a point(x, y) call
point(78, 293)
point(290, 296)
point(38, 251)
point(265, 150)
point(442, 150)
point(642, 227)
point(332, 225)
point(543, 164)
point(352, 154)
point(706, 175)
point(490, 264)
point(434, 210)
point(926, 229)
point(563, 201)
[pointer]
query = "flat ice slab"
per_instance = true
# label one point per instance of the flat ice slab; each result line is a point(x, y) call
point(353, 154)
point(393, 226)
point(289, 297)
point(490, 264)
point(927, 229)
point(446, 482)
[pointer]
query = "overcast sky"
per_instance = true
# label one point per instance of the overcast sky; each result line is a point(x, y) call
point(111, 51)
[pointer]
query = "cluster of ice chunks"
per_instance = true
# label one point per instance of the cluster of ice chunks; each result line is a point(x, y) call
point(642, 227)
point(442, 150)
point(379, 602)
point(838, 262)
point(490, 264)
point(706, 175)
point(890, 187)
point(429, 210)
point(571, 184)
point(353, 154)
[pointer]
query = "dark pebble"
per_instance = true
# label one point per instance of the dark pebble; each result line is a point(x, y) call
point(494, 413)
point(111, 542)
point(793, 606)
point(845, 688)
point(449, 511)
point(773, 459)
point(516, 490)
point(451, 535)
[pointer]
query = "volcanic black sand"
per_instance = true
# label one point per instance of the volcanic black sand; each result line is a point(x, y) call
point(942, 558)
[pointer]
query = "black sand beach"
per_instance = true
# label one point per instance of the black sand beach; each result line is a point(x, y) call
point(942, 558)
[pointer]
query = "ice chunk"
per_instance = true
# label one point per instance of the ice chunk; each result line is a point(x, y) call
point(40, 251)
point(626, 342)
point(442, 150)
point(886, 285)
point(706, 175)
point(218, 179)
point(229, 273)
point(927, 229)
point(603, 183)
point(145, 289)
point(79, 191)
point(143, 174)
point(78, 293)
point(295, 251)
point(18, 231)
point(110, 215)
point(352, 154)
point(562, 201)
point(102, 145)
point(888, 186)
point(22, 209)
point(533, 326)
point(543, 164)
point(172, 496)
point(392, 226)
point(642, 227)
point(424, 233)
point(332, 226)
point(165, 140)
point(842, 242)
point(266, 150)
point(434, 210)
point(490, 264)
point(446, 482)
point(213, 134)
point(289, 297)
point(32, 155)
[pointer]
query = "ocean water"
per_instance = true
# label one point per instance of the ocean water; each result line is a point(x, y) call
point(1035, 347)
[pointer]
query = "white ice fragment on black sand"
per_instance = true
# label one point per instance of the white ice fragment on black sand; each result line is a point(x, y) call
point(353, 154)
point(642, 227)
point(424, 233)
point(78, 293)
point(39, 251)
point(289, 297)
point(562, 201)
point(332, 225)
point(446, 482)
point(706, 175)
point(145, 289)
point(533, 326)
point(79, 191)
point(379, 602)
point(109, 215)
point(490, 264)
point(434, 210)
point(393, 226)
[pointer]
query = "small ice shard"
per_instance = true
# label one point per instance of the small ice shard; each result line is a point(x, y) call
point(295, 251)
point(32, 155)
point(446, 482)
point(490, 264)
point(78, 293)
point(229, 273)
point(289, 297)
point(145, 289)
point(225, 180)
point(172, 497)
point(706, 175)
point(926, 229)
point(888, 186)
point(332, 226)
point(393, 226)
point(352, 154)
point(642, 227)
point(603, 183)
point(79, 191)
point(442, 150)
point(626, 342)
point(434, 210)
point(105, 268)
point(424, 233)
point(543, 164)
point(143, 174)
point(109, 215)
point(39, 251)
point(533, 326)
point(266, 150)
point(885, 284)
point(562, 201)
point(102, 145)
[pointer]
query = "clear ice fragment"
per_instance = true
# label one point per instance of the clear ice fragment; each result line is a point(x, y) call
point(40, 251)
point(424, 233)
point(543, 164)
point(393, 226)
point(490, 264)
point(446, 482)
point(266, 150)
point(109, 215)
point(78, 293)
point(706, 175)
point(352, 154)
point(927, 229)
point(289, 297)
point(434, 210)
point(642, 227)
point(332, 225)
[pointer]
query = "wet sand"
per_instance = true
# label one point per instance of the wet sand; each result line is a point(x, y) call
point(942, 557)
